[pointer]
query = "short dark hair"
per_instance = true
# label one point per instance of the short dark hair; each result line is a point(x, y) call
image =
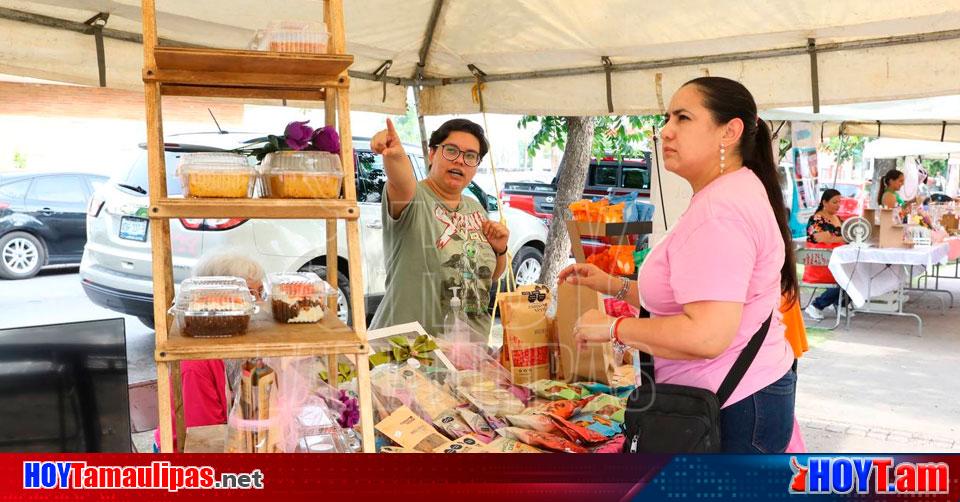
point(462, 125)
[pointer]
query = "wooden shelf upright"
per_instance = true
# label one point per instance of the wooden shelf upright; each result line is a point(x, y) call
point(252, 74)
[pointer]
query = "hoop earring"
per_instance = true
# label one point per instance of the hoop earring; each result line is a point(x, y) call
point(723, 153)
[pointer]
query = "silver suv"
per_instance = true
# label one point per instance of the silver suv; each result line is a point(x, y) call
point(116, 267)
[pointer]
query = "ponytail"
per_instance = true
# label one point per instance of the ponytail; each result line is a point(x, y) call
point(759, 159)
point(885, 180)
point(728, 99)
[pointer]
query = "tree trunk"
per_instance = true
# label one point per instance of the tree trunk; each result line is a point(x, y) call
point(573, 167)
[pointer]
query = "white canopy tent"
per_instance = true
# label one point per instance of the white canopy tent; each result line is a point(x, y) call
point(558, 57)
point(539, 56)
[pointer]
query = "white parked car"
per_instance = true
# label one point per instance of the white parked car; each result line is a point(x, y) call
point(116, 268)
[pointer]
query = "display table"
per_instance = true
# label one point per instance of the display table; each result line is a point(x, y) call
point(953, 262)
point(866, 273)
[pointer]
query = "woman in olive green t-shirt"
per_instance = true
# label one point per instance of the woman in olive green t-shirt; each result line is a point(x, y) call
point(435, 240)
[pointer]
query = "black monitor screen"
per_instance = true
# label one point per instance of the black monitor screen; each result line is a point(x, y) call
point(63, 388)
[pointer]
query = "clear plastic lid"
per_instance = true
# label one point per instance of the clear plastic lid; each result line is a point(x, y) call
point(306, 285)
point(214, 296)
point(302, 162)
point(295, 36)
point(221, 162)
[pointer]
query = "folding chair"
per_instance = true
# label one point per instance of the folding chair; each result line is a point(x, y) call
point(819, 257)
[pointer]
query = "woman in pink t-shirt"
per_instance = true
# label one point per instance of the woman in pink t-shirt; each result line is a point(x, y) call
point(719, 273)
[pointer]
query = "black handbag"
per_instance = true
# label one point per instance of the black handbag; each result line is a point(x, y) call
point(666, 418)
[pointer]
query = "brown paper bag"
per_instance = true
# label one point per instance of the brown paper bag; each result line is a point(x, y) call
point(595, 363)
point(526, 334)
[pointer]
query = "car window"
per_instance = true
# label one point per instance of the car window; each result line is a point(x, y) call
point(636, 177)
point(96, 182)
point(138, 177)
point(606, 175)
point(370, 176)
point(15, 190)
point(68, 189)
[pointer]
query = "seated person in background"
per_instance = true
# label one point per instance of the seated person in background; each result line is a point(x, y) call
point(824, 228)
point(205, 383)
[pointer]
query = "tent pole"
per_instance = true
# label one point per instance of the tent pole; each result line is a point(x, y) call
point(423, 127)
point(417, 84)
point(814, 74)
point(96, 24)
point(428, 36)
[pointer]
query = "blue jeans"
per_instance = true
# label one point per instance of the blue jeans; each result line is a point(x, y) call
point(829, 297)
point(762, 422)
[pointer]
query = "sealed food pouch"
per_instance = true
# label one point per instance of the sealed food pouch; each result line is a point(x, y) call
point(526, 333)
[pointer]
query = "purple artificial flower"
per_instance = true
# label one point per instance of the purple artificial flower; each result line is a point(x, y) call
point(326, 139)
point(350, 416)
point(298, 134)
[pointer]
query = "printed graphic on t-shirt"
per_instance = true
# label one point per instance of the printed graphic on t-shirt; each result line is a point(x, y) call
point(467, 260)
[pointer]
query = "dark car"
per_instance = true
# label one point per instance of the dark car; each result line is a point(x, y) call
point(43, 220)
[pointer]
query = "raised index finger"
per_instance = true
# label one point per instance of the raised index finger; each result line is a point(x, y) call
point(391, 131)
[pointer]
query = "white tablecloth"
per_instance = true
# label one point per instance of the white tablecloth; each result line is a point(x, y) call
point(880, 270)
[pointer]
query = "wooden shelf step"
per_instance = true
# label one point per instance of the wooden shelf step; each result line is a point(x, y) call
point(256, 208)
point(248, 69)
point(266, 337)
point(243, 92)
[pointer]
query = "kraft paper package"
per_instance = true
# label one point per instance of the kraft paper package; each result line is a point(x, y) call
point(526, 333)
point(410, 431)
point(595, 363)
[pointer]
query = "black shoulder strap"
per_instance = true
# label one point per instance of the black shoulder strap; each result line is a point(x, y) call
point(743, 362)
point(737, 371)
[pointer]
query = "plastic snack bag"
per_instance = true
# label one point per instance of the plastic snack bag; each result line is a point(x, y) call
point(577, 433)
point(541, 440)
point(452, 424)
point(564, 408)
point(535, 422)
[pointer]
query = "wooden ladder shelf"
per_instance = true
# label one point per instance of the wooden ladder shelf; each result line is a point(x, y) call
point(176, 71)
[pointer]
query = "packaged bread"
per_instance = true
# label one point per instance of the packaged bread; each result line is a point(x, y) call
point(302, 175)
point(216, 174)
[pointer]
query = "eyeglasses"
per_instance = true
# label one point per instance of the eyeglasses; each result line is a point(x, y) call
point(451, 152)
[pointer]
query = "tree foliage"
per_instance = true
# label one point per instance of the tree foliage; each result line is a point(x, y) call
point(619, 136)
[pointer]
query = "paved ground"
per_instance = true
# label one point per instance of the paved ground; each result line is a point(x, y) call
point(879, 387)
point(876, 387)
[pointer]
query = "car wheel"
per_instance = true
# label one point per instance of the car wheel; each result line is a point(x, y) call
point(21, 255)
point(527, 265)
point(147, 321)
point(343, 290)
